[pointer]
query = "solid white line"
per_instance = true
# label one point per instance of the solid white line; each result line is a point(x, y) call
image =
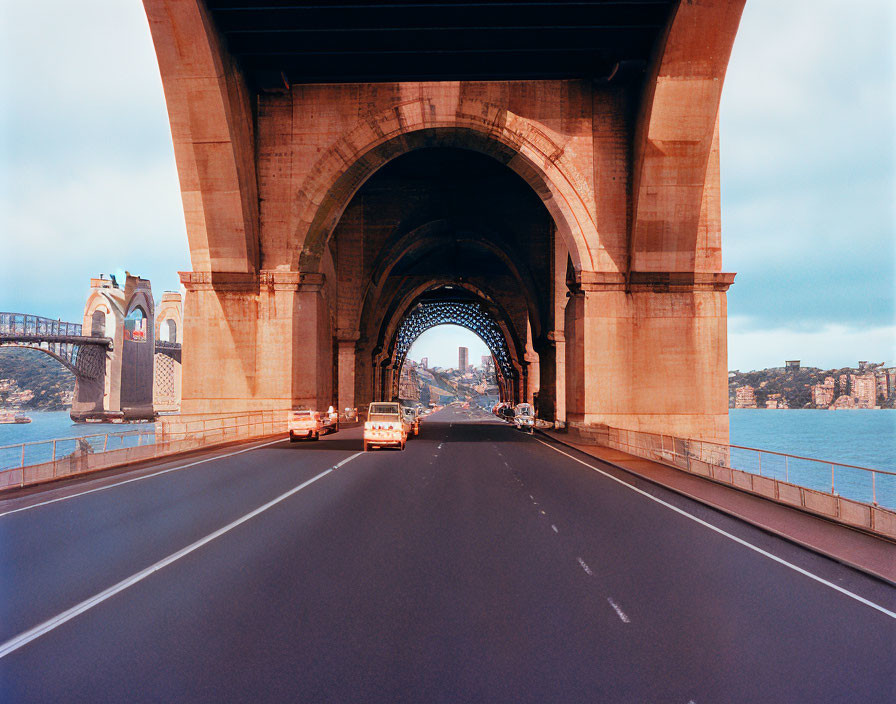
point(585, 567)
point(14, 644)
point(740, 541)
point(145, 476)
point(619, 612)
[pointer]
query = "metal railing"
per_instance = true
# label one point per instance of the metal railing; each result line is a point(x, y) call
point(874, 486)
point(25, 454)
point(25, 324)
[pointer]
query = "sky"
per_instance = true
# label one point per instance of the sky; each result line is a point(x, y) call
point(88, 183)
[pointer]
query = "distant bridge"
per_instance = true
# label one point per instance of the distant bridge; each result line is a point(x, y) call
point(83, 355)
point(117, 377)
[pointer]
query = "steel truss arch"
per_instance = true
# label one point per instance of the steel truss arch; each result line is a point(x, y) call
point(466, 314)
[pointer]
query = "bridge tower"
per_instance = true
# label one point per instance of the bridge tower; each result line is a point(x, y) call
point(169, 330)
point(126, 316)
point(555, 167)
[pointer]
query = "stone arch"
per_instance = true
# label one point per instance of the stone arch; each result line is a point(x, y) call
point(425, 235)
point(676, 218)
point(468, 124)
point(168, 330)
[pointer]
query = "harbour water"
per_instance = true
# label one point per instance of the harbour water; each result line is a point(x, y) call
point(55, 425)
point(866, 438)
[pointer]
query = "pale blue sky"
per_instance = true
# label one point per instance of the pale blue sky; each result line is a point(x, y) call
point(88, 182)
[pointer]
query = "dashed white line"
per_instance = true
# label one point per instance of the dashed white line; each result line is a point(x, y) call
point(619, 612)
point(22, 639)
point(740, 541)
point(543, 513)
point(554, 528)
point(144, 476)
point(585, 566)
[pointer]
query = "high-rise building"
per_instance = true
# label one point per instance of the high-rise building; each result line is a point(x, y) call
point(463, 356)
point(865, 390)
point(823, 394)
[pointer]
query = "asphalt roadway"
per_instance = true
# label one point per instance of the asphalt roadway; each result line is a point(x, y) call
point(479, 565)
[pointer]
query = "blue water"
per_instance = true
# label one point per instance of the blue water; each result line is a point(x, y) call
point(866, 438)
point(51, 425)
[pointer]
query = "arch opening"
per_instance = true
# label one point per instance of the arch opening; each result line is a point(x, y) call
point(441, 235)
point(448, 363)
point(334, 182)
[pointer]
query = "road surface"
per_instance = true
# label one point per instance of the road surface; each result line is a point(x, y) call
point(479, 565)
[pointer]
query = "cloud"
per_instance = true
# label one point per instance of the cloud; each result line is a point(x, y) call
point(106, 218)
point(808, 164)
point(89, 183)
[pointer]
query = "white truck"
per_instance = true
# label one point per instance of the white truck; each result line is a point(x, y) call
point(385, 426)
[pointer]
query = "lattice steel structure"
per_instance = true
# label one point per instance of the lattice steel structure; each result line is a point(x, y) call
point(469, 315)
point(83, 355)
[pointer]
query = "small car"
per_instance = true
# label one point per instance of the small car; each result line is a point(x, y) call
point(412, 419)
point(385, 426)
point(304, 424)
point(524, 417)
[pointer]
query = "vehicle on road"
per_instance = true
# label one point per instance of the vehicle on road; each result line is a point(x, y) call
point(524, 417)
point(412, 419)
point(506, 413)
point(330, 421)
point(385, 426)
point(304, 424)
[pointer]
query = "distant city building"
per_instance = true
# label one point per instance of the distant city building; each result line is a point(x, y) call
point(865, 390)
point(792, 364)
point(408, 386)
point(745, 397)
point(463, 356)
point(823, 394)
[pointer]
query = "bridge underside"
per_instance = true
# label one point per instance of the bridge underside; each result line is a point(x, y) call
point(555, 163)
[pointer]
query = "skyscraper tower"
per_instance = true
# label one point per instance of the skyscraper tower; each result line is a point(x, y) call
point(462, 357)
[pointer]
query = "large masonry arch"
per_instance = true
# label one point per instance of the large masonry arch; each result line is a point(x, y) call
point(313, 208)
point(438, 121)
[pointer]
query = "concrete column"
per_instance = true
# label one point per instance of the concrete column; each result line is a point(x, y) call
point(255, 342)
point(347, 341)
point(652, 359)
point(552, 384)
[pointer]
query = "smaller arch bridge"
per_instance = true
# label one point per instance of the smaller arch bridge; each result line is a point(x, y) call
point(83, 355)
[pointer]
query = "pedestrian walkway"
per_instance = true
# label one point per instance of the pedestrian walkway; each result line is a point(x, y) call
point(866, 552)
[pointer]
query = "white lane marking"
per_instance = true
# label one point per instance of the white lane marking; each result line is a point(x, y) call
point(554, 528)
point(145, 476)
point(17, 642)
point(439, 447)
point(585, 567)
point(543, 513)
point(619, 612)
point(740, 541)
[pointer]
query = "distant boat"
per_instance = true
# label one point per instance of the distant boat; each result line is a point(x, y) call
point(13, 417)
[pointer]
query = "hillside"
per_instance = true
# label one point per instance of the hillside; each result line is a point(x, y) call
point(21, 371)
